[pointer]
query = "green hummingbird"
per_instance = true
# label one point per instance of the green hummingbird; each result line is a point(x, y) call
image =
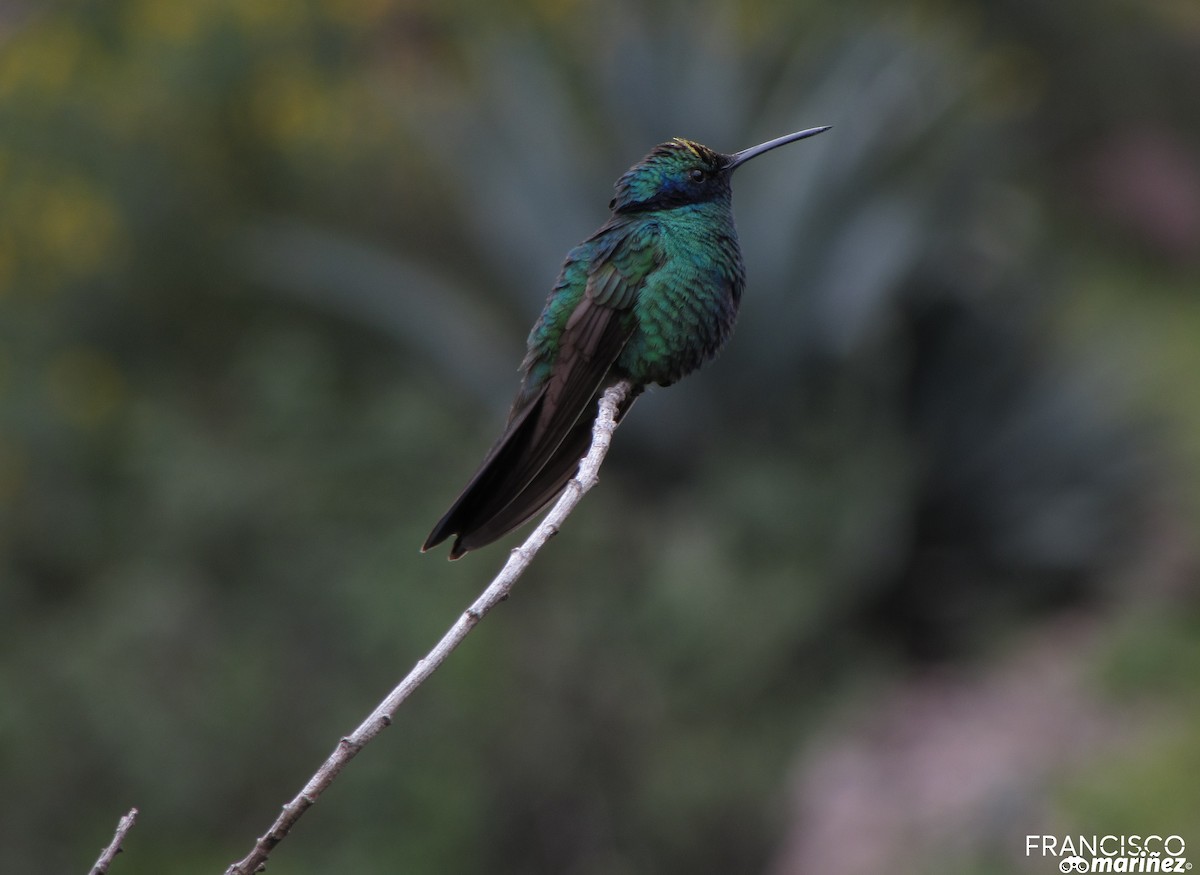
point(648, 298)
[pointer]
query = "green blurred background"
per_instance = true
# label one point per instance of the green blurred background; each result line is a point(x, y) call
point(909, 573)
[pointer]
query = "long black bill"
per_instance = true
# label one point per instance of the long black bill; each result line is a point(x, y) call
point(754, 151)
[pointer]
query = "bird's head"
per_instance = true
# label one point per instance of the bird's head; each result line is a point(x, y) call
point(683, 172)
point(673, 174)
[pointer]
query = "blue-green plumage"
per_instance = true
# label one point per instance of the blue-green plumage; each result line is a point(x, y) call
point(648, 298)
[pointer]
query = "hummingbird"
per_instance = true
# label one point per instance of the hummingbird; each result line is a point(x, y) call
point(648, 298)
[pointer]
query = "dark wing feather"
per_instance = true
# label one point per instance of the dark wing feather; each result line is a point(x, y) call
point(545, 438)
point(531, 442)
point(493, 477)
point(543, 489)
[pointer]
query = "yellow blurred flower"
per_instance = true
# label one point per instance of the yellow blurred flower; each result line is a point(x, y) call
point(43, 60)
point(84, 385)
point(168, 22)
point(71, 225)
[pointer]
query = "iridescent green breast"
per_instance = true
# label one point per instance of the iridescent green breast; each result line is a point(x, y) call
point(687, 308)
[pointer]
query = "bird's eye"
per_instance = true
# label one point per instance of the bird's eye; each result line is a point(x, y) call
point(697, 175)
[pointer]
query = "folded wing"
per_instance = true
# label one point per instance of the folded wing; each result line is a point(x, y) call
point(550, 431)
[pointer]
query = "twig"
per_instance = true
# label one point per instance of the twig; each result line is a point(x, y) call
point(496, 592)
point(124, 825)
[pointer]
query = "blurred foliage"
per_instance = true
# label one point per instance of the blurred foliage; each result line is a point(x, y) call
point(265, 273)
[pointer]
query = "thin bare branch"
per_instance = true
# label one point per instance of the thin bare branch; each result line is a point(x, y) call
point(495, 593)
point(124, 825)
